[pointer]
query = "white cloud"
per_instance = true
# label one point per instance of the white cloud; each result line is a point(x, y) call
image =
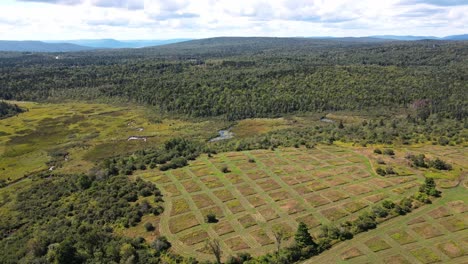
point(162, 19)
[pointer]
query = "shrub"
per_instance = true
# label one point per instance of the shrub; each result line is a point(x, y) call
point(389, 170)
point(380, 171)
point(149, 227)
point(251, 160)
point(225, 169)
point(389, 152)
point(439, 164)
point(377, 151)
point(211, 218)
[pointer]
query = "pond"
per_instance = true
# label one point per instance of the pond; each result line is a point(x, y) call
point(223, 134)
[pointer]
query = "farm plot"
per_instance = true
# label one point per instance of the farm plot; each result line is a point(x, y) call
point(263, 190)
point(436, 233)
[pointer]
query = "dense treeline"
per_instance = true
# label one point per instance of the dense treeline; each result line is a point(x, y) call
point(7, 110)
point(70, 219)
point(253, 77)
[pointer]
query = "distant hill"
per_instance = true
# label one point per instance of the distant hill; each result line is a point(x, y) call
point(456, 37)
point(118, 44)
point(39, 46)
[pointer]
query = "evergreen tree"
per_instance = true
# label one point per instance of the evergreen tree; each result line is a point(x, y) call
point(303, 237)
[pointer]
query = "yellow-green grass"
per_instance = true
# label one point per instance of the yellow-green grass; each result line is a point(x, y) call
point(88, 132)
point(339, 185)
point(434, 233)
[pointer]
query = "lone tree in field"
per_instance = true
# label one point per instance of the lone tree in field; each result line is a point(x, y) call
point(279, 235)
point(215, 248)
point(429, 188)
point(211, 218)
point(303, 237)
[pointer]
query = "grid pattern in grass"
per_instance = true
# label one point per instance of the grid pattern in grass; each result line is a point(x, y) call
point(264, 189)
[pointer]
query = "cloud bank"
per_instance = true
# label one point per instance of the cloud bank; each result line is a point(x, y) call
point(163, 19)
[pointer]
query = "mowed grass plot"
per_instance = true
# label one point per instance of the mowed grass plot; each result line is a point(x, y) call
point(434, 233)
point(280, 189)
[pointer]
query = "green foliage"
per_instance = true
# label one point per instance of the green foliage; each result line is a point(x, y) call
point(389, 152)
point(149, 226)
point(253, 77)
point(211, 218)
point(429, 188)
point(439, 164)
point(69, 219)
point(7, 110)
point(303, 237)
point(377, 151)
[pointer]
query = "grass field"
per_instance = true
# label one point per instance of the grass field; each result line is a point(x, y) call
point(76, 135)
point(435, 233)
point(262, 190)
point(278, 190)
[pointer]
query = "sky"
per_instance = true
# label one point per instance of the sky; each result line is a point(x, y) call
point(169, 19)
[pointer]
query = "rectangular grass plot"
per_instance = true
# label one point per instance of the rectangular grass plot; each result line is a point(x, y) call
point(354, 206)
point(181, 174)
point(257, 174)
point(236, 243)
point(182, 222)
point(380, 183)
point(224, 195)
point(268, 214)
point(316, 185)
point(334, 213)
point(439, 213)
point(191, 186)
point(427, 230)
point(425, 255)
point(334, 195)
point(291, 206)
point(261, 237)
point(171, 190)
point(246, 190)
point(235, 206)
point(234, 178)
point(202, 200)
point(180, 206)
point(351, 253)
point(223, 227)
point(376, 197)
point(316, 200)
point(357, 189)
point(256, 201)
point(247, 221)
point(309, 220)
point(377, 244)
point(451, 249)
point(279, 195)
point(402, 237)
point(454, 224)
point(458, 206)
point(212, 182)
point(195, 237)
point(269, 185)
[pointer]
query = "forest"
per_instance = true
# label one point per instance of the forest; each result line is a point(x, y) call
point(239, 78)
point(387, 103)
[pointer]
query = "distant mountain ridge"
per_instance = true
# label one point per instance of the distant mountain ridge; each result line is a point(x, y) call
point(93, 44)
point(118, 44)
point(39, 46)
